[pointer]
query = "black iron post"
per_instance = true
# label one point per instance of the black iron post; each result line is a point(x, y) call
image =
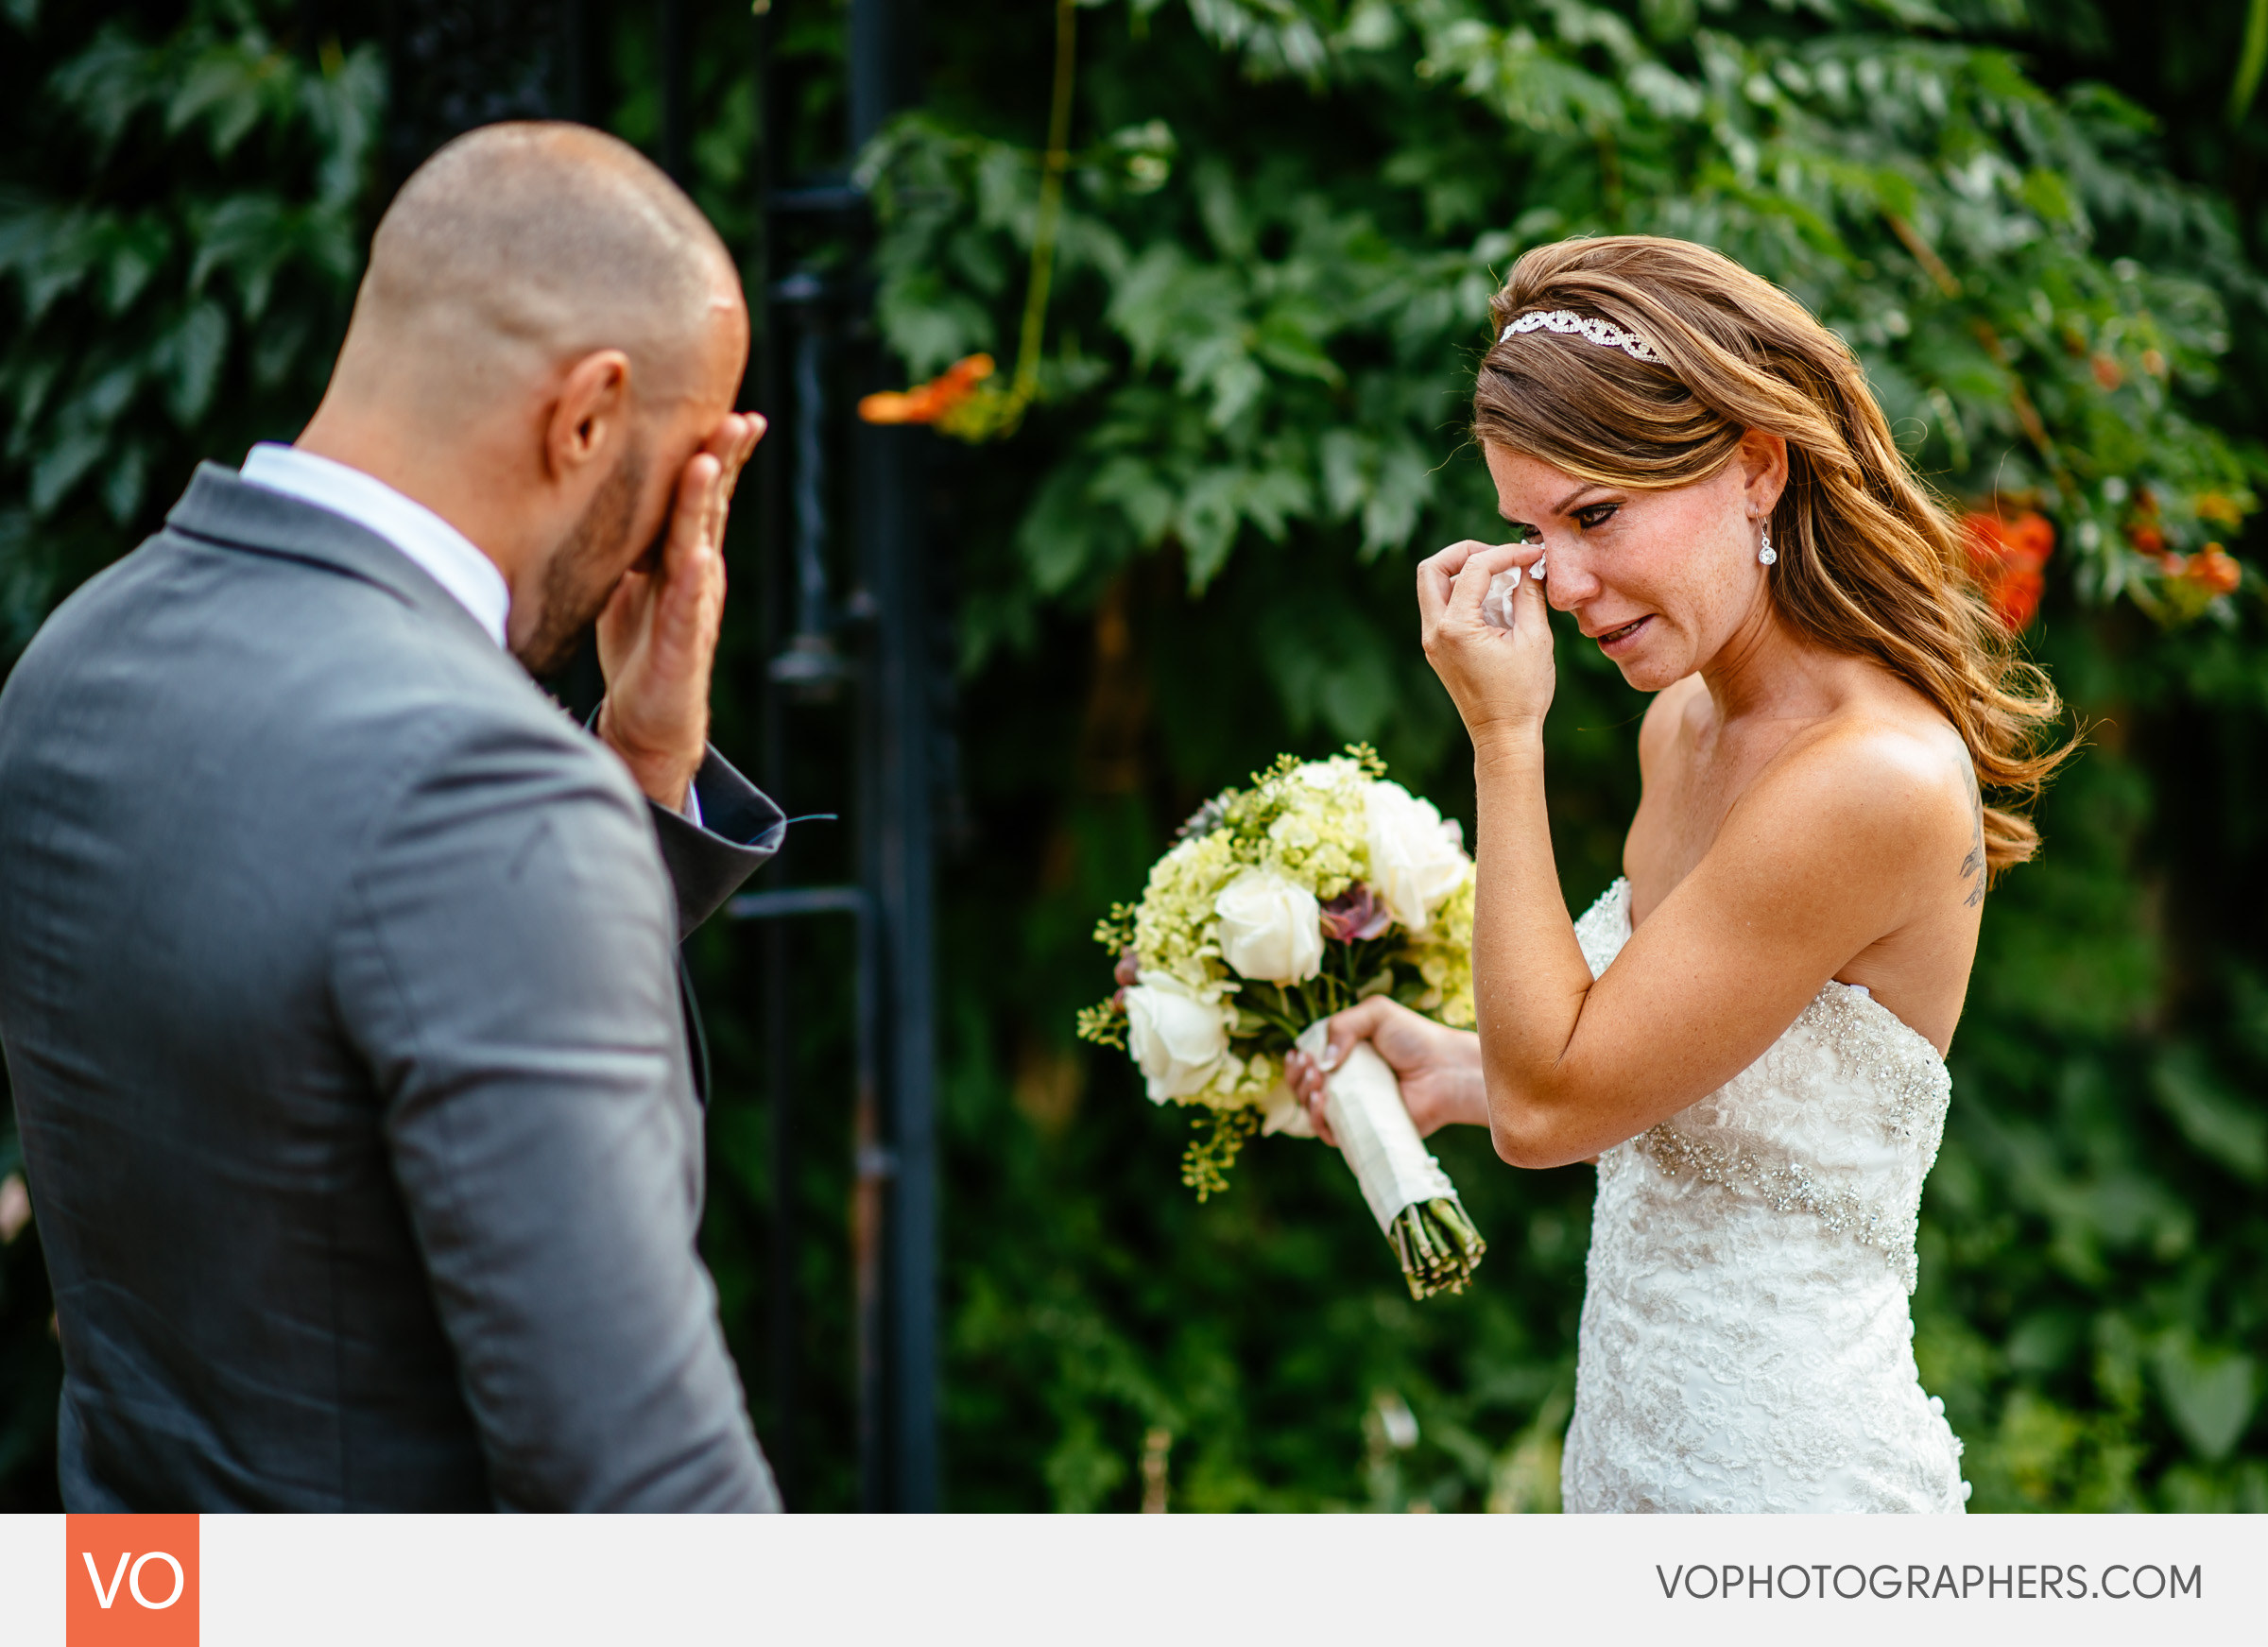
point(775, 1017)
point(895, 838)
point(896, 849)
point(776, 909)
point(878, 635)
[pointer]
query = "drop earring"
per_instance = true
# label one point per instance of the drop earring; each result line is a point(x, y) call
point(1767, 554)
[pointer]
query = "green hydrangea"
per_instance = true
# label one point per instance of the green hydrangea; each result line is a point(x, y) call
point(1174, 925)
point(1443, 959)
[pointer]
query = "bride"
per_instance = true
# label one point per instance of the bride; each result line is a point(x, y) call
point(1747, 1030)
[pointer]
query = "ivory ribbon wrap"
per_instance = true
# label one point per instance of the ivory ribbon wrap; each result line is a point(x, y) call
point(1363, 1102)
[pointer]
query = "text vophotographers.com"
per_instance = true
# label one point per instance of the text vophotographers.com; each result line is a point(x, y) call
point(1888, 1581)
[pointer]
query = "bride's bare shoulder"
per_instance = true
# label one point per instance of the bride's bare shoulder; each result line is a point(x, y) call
point(1878, 781)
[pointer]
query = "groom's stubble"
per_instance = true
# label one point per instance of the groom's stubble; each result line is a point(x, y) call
point(585, 570)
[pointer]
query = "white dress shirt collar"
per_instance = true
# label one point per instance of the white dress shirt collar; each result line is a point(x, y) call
point(438, 550)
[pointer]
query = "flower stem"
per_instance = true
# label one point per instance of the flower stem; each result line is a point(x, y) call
point(1438, 1244)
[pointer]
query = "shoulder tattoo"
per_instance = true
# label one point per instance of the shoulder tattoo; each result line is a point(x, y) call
point(1972, 866)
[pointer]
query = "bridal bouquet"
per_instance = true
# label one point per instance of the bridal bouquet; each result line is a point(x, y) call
point(1320, 885)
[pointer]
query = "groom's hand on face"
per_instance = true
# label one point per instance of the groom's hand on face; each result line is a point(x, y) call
point(657, 637)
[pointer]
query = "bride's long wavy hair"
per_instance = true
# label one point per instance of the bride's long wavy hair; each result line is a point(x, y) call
point(1870, 562)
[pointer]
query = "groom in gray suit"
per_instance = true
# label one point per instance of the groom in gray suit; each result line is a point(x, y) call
point(339, 979)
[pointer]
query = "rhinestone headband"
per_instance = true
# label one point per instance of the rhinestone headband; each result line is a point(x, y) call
point(1604, 332)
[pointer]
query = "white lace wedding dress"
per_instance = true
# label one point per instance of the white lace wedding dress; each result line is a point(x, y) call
point(1746, 1344)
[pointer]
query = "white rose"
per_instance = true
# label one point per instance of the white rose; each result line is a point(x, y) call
point(1176, 1034)
point(1271, 928)
point(1413, 863)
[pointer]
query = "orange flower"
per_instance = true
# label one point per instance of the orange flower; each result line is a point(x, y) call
point(2220, 509)
point(2109, 372)
point(2214, 570)
point(2006, 558)
point(2146, 539)
point(927, 402)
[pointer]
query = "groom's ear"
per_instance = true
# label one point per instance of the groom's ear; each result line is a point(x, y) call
point(590, 414)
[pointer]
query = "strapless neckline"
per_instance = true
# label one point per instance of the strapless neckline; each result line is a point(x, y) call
point(1858, 996)
point(1788, 1130)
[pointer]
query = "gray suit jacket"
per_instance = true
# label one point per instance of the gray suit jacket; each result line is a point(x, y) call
point(338, 994)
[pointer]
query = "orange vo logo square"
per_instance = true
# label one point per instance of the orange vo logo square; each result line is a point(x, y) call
point(130, 1580)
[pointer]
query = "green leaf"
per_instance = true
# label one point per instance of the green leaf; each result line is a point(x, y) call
point(1064, 538)
point(138, 249)
point(2250, 59)
point(247, 234)
point(2209, 1394)
point(123, 481)
point(53, 254)
point(62, 466)
point(2223, 1127)
point(106, 85)
point(2048, 194)
point(227, 87)
point(193, 354)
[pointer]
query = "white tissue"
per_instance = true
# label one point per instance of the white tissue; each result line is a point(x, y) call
point(1496, 606)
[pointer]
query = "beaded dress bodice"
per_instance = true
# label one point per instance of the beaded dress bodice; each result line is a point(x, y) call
point(1745, 1343)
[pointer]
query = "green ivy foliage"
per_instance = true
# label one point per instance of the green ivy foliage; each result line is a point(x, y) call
point(176, 258)
point(1322, 316)
point(1284, 221)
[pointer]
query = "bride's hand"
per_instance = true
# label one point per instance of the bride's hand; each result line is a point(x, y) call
point(1501, 679)
point(1440, 1067)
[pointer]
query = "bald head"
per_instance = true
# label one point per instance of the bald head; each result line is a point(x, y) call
point(547, 337)
point(520, 246)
